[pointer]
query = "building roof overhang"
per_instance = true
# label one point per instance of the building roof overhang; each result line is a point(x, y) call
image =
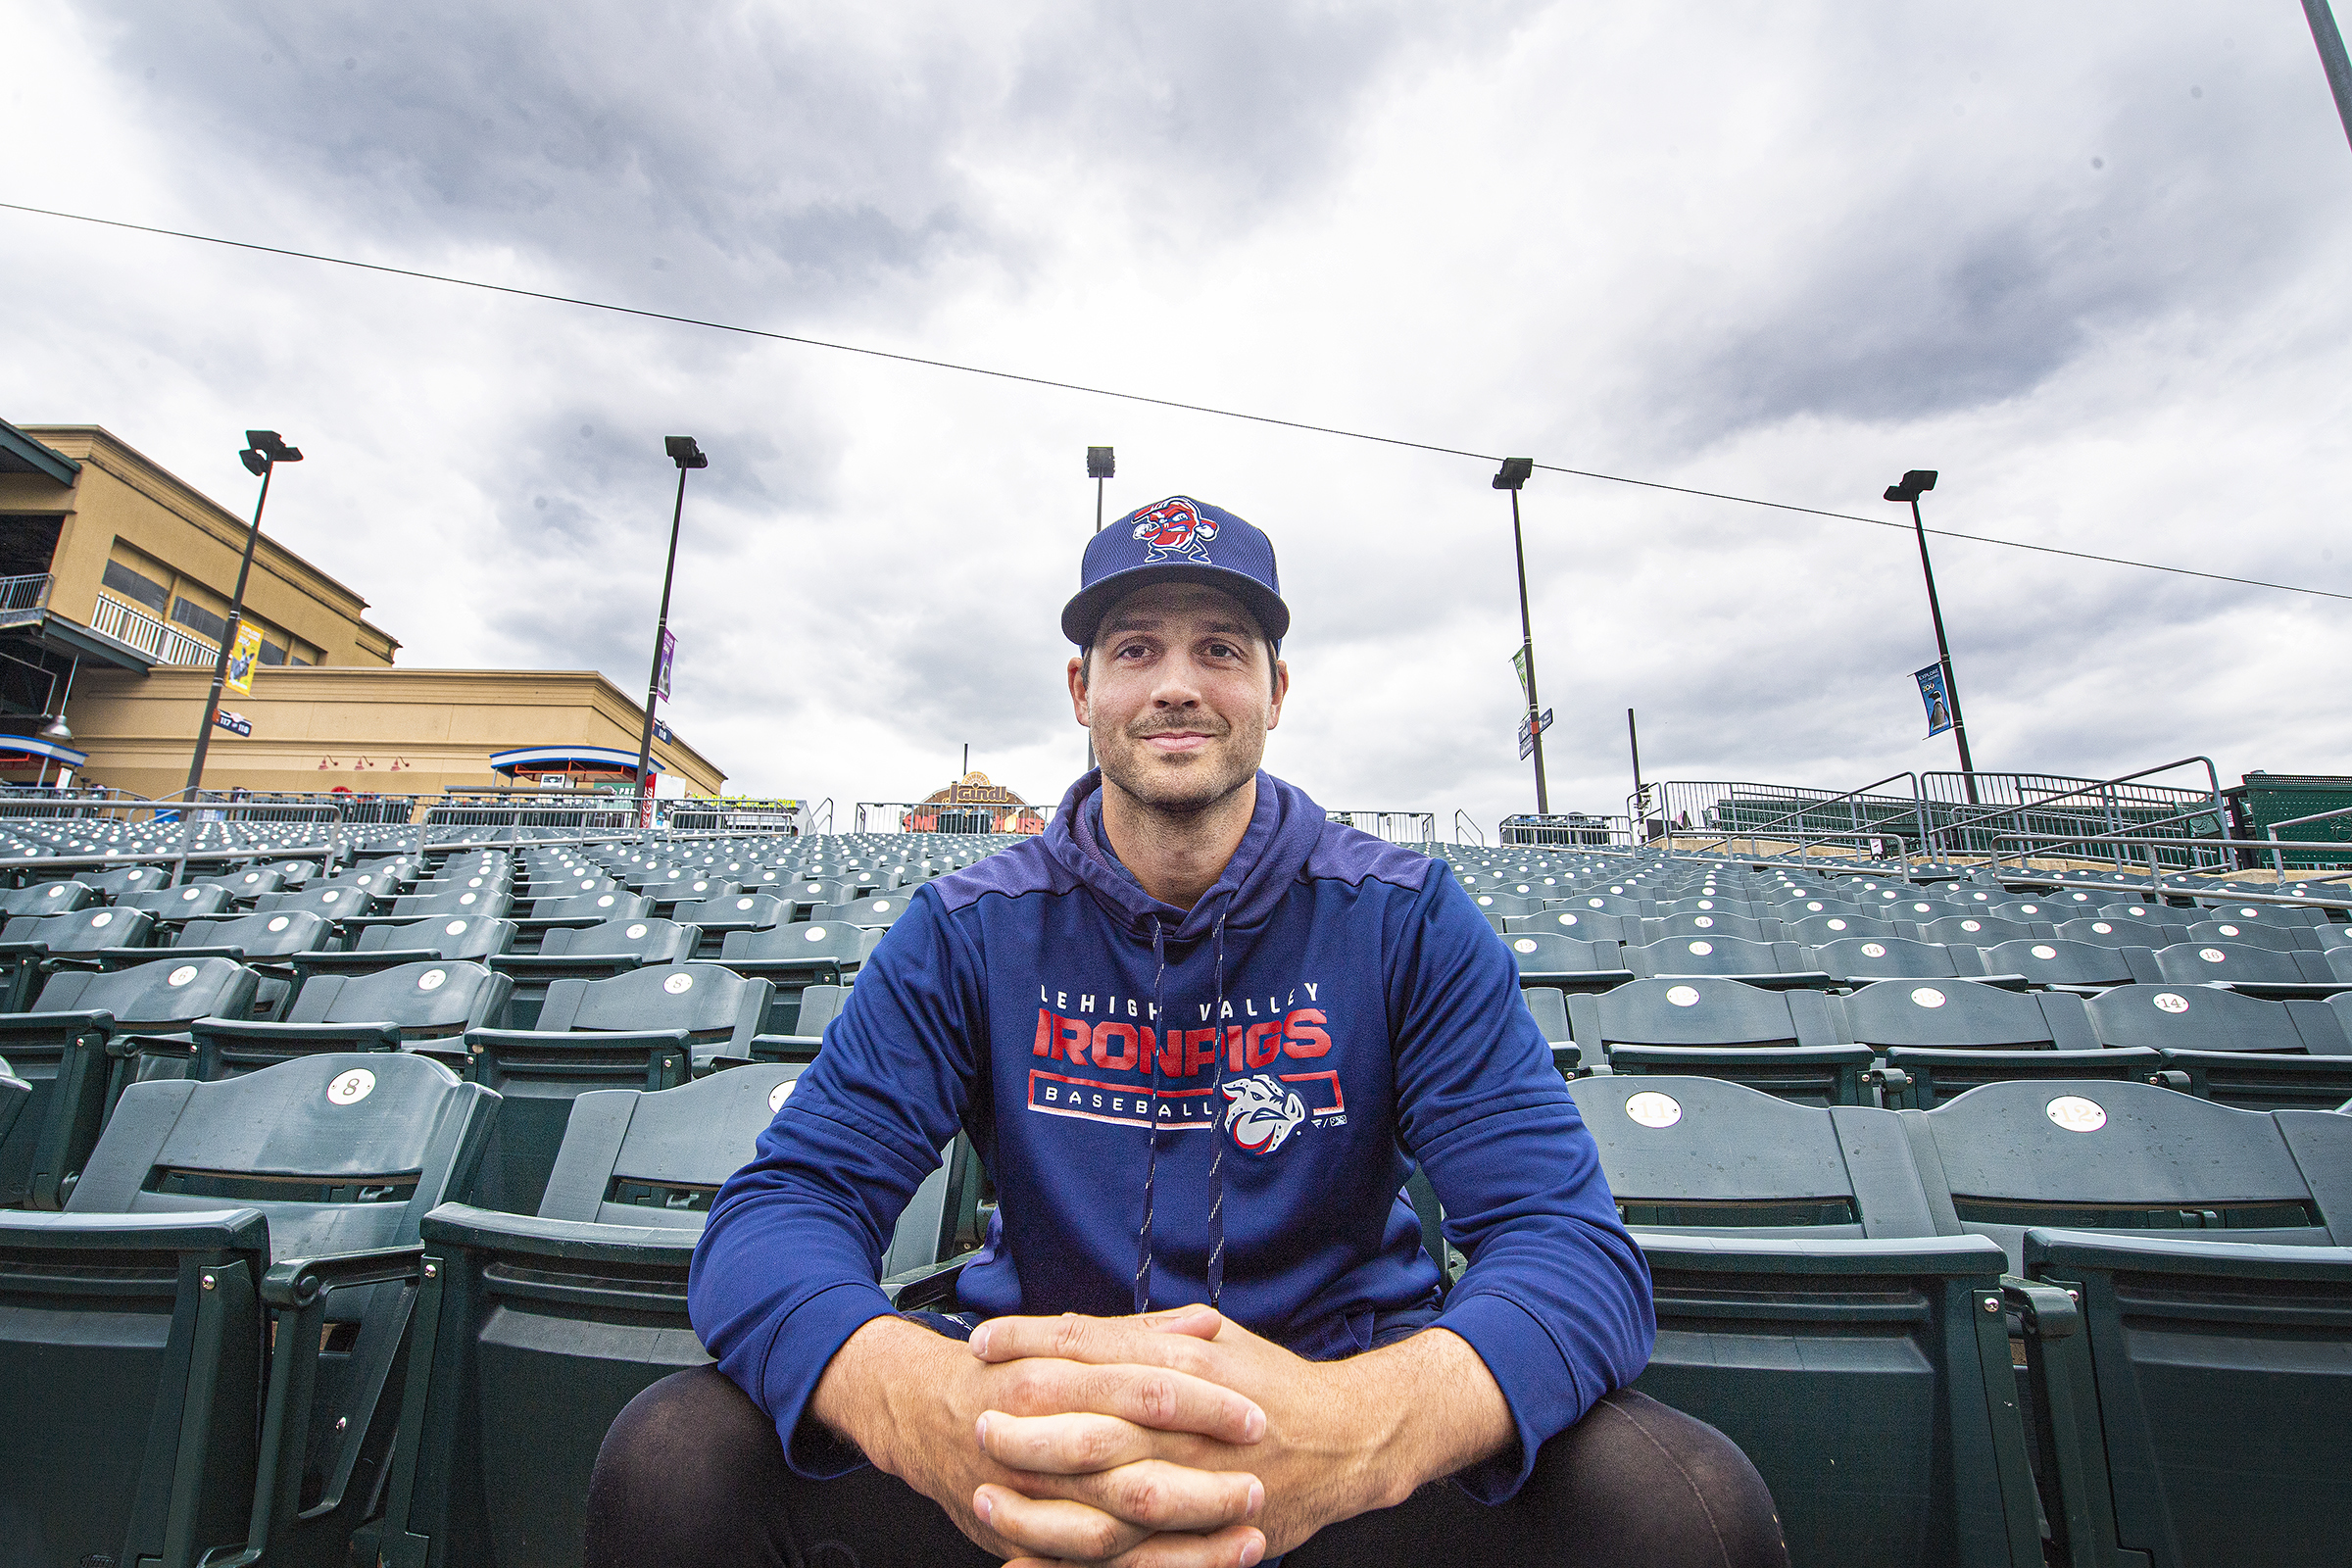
point(22, 454)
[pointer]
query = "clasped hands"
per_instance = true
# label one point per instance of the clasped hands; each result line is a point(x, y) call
point(1170, 1440)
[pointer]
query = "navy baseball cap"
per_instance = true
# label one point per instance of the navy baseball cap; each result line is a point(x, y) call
point(1176, 540)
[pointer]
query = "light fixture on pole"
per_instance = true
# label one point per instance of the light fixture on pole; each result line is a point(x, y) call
point(263, 451)
point(686, 454)
point(1100, 465)
point(1513, 477)
point(1915, 483)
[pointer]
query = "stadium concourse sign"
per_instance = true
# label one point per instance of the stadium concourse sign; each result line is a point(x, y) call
point(235, 723)
point(1529, 728)
point(1931, 693)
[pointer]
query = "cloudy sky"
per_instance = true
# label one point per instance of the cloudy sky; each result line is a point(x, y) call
point(2088, 261)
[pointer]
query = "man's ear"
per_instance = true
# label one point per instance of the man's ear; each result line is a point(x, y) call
point(1282, 688)
point(1077, 679)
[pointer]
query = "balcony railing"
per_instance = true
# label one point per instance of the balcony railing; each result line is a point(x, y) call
point(166, 645)
point(25, 593)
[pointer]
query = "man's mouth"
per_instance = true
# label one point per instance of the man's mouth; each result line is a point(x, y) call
point(1176, 742)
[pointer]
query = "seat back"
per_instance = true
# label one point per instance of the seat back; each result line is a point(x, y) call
point(476, 936)
point(1979, 930)
point(1816, 930)
point(2248, 934)
point(873, 914)
point(2060, 962)
point(1866, 959)
point(2290, 916)
point(452, 904)
point(2192, 1017)
point(245, 885)
point(603, 904)
point(721, 1010)
point(1961, 1016)
point(430, 998)
point(1721, 1159)
point(2198, 963)
point(83, 931)
point(168, 994)
point(335, 901)
point(1701, 1011)
point(113, 885)
point(272, 935)
point(1541, 953)
point(2128, 1158)
point(47, 898)
point(656, 942)
point(1583, 925)
point(1717, 956)
point(176, 903)
point(1711, 924)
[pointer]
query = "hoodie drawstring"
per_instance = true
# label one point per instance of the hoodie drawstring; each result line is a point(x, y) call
point(1159, 1017)
point(1216, 1158)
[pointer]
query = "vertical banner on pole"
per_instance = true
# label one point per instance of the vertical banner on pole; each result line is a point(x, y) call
point(669, 652)
point(1519, 663)
point(243, 654)
point(1931, 692)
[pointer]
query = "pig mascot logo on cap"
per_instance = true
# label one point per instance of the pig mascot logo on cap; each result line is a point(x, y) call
point(1175, 530)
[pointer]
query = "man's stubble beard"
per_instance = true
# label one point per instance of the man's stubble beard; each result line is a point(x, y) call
point(1189, 788)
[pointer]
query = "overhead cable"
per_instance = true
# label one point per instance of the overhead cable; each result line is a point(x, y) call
point(928, 362)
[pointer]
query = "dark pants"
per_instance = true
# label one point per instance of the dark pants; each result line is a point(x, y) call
point(692, 1472)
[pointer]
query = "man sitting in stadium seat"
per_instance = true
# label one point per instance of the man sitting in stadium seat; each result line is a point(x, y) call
point(1178, 1349)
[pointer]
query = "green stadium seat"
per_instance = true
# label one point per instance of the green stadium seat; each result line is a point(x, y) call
point(423, 1007)
point(589, 953)
point(2251, 934)
point(1549, 1006)
point(874, 914)
point(193, 901)
point(1938, 1040)
point(2238, 1050)
point(2186, 1329)
point(819, 1005)
point(1859, 960)
point(245, 886)
point(1771, 965)
point(2254, 971)
point(794, 956)
point(720, 917)
point(82, 1045)
point(649, 1029)
point(534, 1331)
point(2061, 964)
point(335, 901)
point(15, 1095)
point(1583, 926)
point(1819, 930)
point(1808, 1311)
point(47, 898)
point(388, 944)
point(1788, 1042)
point(1566, 963)
point(195, 1356)
point(30, 943)
point(578, 910)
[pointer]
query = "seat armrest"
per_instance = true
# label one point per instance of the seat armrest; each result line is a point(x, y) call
point(239, 1031)
point(322, 962)
point(584, 1241)
point(16, 1024)
point(297, 1282)
point(512, 1039)
point(562, 963)
point(931, 1286)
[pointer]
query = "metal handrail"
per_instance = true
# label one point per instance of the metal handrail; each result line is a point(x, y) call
point(2277, 860)
point(2212, 777)
point(1754, 832)
point(1461, 820)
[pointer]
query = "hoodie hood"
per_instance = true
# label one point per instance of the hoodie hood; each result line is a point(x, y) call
point(1284, 830)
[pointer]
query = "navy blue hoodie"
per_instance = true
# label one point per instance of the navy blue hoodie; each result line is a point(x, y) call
point(1332, 1011)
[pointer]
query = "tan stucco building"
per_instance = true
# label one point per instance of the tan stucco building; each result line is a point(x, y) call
point(114, 585)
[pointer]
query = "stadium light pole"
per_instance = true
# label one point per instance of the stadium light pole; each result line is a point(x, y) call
point(263, 451)
point(686, 454)
point(1914, 484)
point(1513, 477)
point(2332, 57)
point(1102, 463)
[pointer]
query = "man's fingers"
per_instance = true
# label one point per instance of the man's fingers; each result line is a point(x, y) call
point(1156, 1494)
point(1148, 1396)
point(1075, 1444)
point(1054, 1528)
point(1200, 1322)
point(1175, 1342)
